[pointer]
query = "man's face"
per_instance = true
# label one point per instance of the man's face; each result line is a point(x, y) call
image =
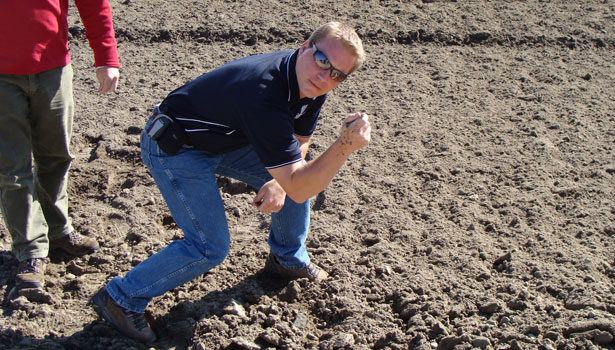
point(313, 80)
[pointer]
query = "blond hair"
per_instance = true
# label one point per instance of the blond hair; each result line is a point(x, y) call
point(347, 35)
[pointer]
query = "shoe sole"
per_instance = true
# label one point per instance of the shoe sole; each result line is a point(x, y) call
point(24, 285)
point(93, 250)
point(272, 268)
point(35, 294)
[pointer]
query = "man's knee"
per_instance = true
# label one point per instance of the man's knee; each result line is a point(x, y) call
point(214, 251)
point(218, 253)
point(47, 164)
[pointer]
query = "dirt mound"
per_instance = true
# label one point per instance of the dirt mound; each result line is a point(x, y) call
point(482, 215)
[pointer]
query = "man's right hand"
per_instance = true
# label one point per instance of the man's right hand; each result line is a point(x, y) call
point(108, 78)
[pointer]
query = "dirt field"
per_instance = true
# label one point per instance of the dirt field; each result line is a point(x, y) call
point(482, 215)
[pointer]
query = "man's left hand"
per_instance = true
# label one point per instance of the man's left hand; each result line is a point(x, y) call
point(270, 198)
point(108, 77)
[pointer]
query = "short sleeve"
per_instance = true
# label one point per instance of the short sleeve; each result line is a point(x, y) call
point(269, 129)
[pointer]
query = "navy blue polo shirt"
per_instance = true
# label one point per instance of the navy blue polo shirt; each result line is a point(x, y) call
point(251, 101)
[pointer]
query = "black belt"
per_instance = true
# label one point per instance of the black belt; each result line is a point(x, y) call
point(187, 142)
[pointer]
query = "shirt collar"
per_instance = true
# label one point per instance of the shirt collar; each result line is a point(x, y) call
point(293, 84)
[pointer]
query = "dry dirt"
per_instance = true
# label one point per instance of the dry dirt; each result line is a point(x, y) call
point(480, 216)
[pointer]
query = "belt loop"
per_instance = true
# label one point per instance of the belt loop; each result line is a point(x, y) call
point(156, 110)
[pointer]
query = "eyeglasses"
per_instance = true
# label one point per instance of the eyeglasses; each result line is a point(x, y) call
point(323, 62)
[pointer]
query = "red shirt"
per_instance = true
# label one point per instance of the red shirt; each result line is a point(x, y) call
point(34, 34)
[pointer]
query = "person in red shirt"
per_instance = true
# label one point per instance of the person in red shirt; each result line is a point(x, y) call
point(36, 113)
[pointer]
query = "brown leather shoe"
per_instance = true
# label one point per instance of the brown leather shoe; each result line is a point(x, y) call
point(75, 244)
point(313, 272)
point(131, 324)
point(30, 275)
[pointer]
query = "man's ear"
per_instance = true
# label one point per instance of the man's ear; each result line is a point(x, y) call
point(304, 46)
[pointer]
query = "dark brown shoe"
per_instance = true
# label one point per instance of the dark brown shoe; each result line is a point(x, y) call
point(131, 324)
point(313, 272)
point(75, 244)
point(30, 275)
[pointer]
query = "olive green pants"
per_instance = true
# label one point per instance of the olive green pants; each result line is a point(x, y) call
point(36, 116)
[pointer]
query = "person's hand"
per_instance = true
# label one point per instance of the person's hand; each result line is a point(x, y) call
point(108, 77)
point(356, 132)
point(270, 198)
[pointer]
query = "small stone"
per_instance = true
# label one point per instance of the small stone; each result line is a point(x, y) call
point(489, 307)
point(483, 276)
point(416, 321)
point(501, 260)
point(244, 344)
point(383, 270)
point(36, 295)
point(371, 240)
point(514, 345)
point(419, 342)
point(547, 344)
point(578, 302)
point(237, 212)
point(235, 309)
point(75, 269)
point(54, 334)
point(100, 260)
point(408, 311)
point(603, 337)
point(449, 343)
point(270, 321)
point(438, 328)
point(301, 322)
point(551, 335)
point(504, 320)
point(535, 330)
point(44, 311)
point(271, 337)
point(343, 341)
point(290, 292)
point(481, 342)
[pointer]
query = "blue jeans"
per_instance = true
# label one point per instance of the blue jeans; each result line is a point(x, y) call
point(187, 182)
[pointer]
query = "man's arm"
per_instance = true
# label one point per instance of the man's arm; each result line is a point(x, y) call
point(98, 23)
point(302, 181)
